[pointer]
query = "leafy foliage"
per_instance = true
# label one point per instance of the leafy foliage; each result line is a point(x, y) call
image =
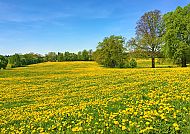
point(133, 63)
point(18, 60)
point(60, 57)
point(51, 56)
point(111, 52)
point(15, 60)
point(149, 30)
point(85, 55)
point(3, 62)
point(177, 34)
point(31, 58)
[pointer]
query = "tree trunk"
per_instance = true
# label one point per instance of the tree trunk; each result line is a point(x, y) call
point(153, 62)
point(153, 58)
point(184, 61)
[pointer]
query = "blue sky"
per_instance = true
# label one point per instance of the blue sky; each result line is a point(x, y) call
point(41, 26)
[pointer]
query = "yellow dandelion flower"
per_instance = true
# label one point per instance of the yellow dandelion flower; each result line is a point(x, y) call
point(176, 126)
point(147, 123)
point(123, 120)
point(135, 113)
point(174, 115)
point(76, 129)
point(116, 122)
point(123, 128)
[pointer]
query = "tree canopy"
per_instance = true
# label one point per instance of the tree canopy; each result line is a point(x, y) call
point(149, 31)
point(177, 34)
point(110, 52)
point(3, 62)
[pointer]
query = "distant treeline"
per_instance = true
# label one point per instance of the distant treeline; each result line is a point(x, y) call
point(85, 55)
point(19, 60)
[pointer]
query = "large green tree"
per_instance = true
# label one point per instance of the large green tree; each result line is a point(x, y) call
point(177, 34)
point(110, 52)
point(149, 30)
point(3, 62)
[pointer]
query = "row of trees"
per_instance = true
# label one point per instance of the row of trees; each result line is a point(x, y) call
point(18, 60)
point(157, 35)
point(67, 56)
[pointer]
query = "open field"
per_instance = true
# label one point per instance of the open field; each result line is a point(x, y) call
point(83, 97)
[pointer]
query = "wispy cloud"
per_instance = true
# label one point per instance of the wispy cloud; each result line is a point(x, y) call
point(22, 17)
point(18, 14)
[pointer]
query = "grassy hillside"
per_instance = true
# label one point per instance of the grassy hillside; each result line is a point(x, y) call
point(86, 98)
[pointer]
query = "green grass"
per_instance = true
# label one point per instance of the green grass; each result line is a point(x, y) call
point(85, 98)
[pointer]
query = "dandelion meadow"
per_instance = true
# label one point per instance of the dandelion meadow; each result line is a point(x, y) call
point(83, 97)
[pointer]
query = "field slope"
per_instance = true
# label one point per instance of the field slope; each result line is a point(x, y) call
point(86, 98)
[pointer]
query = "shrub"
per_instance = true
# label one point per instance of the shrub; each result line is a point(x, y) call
point(133, 63)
